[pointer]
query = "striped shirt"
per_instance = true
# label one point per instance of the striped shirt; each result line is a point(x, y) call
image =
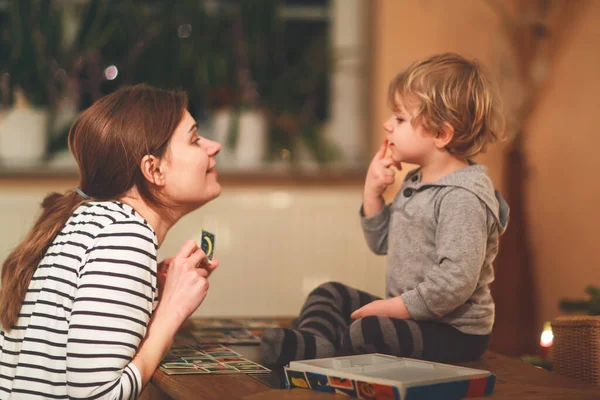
point(86, 310)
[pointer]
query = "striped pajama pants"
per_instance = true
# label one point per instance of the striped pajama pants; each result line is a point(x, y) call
point(326, 314)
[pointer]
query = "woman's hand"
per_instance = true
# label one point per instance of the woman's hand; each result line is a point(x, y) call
point(161, 274)
point(212, 265)
point(185, 284)
point(163, 268)
point(182, 286)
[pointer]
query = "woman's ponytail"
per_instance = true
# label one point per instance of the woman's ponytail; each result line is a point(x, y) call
point(20, 265)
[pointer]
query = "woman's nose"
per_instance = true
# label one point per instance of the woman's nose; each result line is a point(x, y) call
point(213, 148)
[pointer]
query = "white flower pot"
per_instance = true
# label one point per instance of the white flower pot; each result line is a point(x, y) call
point(23, 136)
point(251, 143)
point(220, 126)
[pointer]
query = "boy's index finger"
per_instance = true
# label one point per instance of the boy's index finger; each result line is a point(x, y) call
point(387, 162)
point(383, 149)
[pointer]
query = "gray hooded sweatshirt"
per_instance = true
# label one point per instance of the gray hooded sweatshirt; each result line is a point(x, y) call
point(441, 239)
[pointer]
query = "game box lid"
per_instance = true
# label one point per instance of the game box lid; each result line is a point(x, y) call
point(380, 376)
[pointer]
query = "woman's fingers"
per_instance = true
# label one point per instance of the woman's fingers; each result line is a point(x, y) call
point(188, 248)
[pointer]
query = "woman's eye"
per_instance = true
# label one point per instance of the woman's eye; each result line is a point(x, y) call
point(399, 120)
point(197, 140)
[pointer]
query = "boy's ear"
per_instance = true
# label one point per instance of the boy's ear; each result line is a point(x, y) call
point(151, 169)
point(444, 136)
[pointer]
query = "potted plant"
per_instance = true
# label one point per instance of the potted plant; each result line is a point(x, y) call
point(52, 60)
point(275, 105)
point(28, 34)
point(591, 306)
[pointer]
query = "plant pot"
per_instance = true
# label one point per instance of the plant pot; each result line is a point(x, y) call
point(249, 148)
point(23, 136)
point(221, 121)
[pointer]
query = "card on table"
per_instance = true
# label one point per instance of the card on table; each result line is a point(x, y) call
point(227, 336)
point(262, 323)
point(216, 323)
point(207, 244)
point(234, 323)
point(207, 359)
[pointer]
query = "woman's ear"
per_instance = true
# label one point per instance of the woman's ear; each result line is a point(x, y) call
point(151, 169)
point(444, 136)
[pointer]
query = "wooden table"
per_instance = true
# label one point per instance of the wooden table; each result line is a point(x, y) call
point(514, 380)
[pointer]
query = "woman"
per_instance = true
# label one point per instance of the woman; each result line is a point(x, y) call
point(79, 304)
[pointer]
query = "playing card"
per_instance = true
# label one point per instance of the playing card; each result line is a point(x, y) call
point(208, 244)
point(177, 365)
point(195, 359)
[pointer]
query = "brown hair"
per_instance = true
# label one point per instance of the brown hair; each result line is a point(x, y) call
point(447, 88)
point(108, 141)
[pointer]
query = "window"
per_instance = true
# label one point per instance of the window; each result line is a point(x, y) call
point(294, 70)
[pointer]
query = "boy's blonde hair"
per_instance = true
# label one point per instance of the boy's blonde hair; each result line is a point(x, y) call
point(447, 88)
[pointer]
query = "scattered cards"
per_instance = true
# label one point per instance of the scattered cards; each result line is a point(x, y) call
point(230, 331)
point(228, 336)
point(208, 359)
point(207, 244)
point(230, 323)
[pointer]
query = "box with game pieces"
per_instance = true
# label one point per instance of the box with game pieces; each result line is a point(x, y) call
point(379, 376)
point(207, 359)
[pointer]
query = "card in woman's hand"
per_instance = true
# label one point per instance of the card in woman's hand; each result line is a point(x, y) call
point(208, 244)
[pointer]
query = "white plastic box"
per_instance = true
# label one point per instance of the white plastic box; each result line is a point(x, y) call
point(379, 376)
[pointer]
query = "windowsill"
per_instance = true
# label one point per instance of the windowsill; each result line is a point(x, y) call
point(266, 176)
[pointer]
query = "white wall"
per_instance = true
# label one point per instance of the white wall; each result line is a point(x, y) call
point(274, 244)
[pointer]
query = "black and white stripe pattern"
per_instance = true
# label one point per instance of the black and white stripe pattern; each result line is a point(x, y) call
point(86, 310)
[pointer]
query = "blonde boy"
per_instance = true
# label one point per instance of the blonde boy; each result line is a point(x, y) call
point(440, 233)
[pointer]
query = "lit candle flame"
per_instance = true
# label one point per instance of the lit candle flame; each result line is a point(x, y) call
point(547, 336)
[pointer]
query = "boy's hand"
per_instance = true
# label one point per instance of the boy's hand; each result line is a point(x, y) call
point(380, 174)
point(392, 308)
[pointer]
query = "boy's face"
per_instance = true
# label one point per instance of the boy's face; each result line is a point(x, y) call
point(408, 142)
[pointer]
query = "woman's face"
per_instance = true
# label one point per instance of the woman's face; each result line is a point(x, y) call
point(189, 166)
